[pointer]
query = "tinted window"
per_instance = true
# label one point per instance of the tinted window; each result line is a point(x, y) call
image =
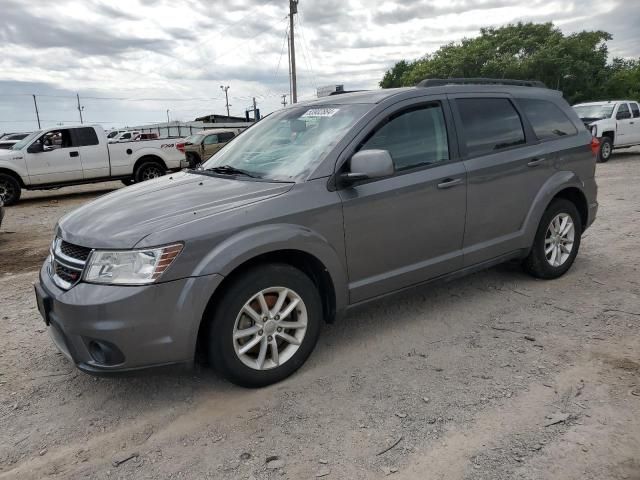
point(547, 120)
point(413, 137)
point(623, 110)
point(211, 139)
point(635, 110)
point(490, 124)
point(125, 136)
point(225, 137)
point(85, 137)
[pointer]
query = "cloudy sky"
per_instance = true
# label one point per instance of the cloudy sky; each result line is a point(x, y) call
point(132, 60)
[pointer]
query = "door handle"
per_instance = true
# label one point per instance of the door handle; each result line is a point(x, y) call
point(535, 162)
point(449, 182)
point(73, 154)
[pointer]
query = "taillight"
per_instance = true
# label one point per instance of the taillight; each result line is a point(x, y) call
point(595, 146)
point(180, 146)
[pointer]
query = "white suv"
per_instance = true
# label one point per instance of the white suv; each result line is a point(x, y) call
point(616, 123)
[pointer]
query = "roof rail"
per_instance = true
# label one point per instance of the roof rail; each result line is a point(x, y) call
point(438, 82)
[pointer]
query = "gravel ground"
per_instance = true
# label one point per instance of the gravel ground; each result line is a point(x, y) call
point(495, 376)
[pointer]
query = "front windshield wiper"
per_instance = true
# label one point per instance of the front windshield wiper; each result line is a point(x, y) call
point(229, 170)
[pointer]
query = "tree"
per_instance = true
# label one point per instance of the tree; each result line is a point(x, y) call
point(575, 64)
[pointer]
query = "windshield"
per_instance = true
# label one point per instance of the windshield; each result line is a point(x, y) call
point(289, 144)
point(598, 111)
point(25, 141)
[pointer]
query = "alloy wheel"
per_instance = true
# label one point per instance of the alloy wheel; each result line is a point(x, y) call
point(270, 328)
point(559, 240)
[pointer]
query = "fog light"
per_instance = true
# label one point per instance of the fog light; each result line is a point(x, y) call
point(105, 353)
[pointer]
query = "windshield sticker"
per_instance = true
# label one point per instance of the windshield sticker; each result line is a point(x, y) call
point(320, 112)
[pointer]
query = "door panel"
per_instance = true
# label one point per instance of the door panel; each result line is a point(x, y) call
point(407, 228)
point(626, 127)
point(94, 156)
point(403, 230)
point(60, 164)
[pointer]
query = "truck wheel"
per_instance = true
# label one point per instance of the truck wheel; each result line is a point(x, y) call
point(148, 171)
point(556, 242)
point(10, 190)
point(265, 325)
point(606, 148)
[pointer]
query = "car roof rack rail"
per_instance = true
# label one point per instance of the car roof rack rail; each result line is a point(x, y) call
point(439, 82)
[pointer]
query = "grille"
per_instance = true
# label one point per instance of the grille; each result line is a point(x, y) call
point(75, 251)
point(67, 263)
point(67, 274)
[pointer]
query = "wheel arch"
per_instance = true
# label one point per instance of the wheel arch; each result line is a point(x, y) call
point(150, 157)
point(609, 134)
point(13, 174)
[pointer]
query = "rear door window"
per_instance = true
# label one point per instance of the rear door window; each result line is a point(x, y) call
point(547, 120)
point(84, 137)
point(635, 110)
point(224, 137)
point(489, 125)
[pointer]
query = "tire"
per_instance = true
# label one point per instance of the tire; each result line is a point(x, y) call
point(606, 148)
point(545, 265)
point(148, 171)
point(193, 159)
point(128, 181)
point(10, 189)
point(225, 351)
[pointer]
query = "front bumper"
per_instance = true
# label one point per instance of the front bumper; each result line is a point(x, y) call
point(140, 327)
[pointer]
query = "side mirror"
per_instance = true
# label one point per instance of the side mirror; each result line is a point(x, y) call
point(623, 115)
point(367, 164)
point(35, 147)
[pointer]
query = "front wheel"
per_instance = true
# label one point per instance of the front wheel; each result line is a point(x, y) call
point(556, 242)
point(606, 149)
point(265, 326)
point(10, 189)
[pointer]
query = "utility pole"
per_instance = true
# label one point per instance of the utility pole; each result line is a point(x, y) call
point(37, 114)
point(284, 100)
point(168, 117)
point(79, 108)
point(226, 94)
point(293, 9)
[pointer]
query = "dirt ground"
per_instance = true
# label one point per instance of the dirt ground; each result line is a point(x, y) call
point(494, 376)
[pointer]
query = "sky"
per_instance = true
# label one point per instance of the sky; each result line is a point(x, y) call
point(131, 61)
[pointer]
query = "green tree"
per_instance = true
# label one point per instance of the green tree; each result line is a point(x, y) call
point(575, 64)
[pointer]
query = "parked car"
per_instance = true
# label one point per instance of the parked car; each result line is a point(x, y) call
point(58, 157)
point(203, 145)
point(373, 192)
point(114, 133)
point(616, 123)
point(145, 136)
point(8, 140)
point(126, 136)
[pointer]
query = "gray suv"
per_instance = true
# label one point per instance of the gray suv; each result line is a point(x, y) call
point(317, 208)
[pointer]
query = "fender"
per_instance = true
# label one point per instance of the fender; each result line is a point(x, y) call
point(248, 244)
point(555, 184)
point(15, 164)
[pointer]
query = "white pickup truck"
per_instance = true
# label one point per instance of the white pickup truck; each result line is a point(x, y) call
point(58, 157)
point(616, 123)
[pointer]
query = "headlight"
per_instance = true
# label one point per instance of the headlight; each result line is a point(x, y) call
point(133, 267)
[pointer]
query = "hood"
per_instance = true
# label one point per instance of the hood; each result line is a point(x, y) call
point(122, 218)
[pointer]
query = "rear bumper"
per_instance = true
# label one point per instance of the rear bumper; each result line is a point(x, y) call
point(106, 329)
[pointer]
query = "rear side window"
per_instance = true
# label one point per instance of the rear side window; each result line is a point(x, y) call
point(85, 137)
point(225, 137)
point(635, 110)
point(413, 137)
point(211, 140)
point(547, 120)
point(490, 125)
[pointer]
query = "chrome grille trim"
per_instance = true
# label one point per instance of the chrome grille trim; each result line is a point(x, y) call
point(60, 259)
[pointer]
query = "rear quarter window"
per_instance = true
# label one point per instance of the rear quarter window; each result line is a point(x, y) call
point(85, 137)
point(547, 119)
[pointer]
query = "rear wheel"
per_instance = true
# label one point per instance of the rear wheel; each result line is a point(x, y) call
point(556, 242)
point(265, 325)
point(148, 171)
point(10, 189)
point(606, 148)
